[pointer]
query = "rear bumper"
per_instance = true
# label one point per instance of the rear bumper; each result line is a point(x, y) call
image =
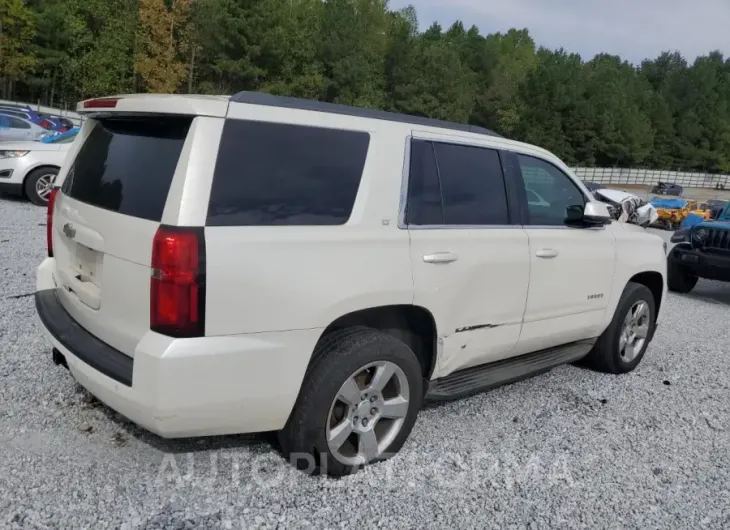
point(701, 264)
point(184, 387)
point(100, 356)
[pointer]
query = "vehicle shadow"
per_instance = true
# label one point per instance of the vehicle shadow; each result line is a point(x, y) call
point(259, 442)
point(711, 291)
point(12, 198)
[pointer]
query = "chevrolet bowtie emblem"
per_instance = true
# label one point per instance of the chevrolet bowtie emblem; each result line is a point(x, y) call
point(69, 230)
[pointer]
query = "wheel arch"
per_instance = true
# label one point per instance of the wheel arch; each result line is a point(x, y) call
point(412, 324)
point(654, 281)
point(33, 170)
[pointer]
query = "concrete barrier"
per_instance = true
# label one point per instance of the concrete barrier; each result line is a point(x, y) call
point(648, 177)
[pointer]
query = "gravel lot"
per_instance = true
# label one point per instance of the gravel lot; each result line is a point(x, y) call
point(571, 448)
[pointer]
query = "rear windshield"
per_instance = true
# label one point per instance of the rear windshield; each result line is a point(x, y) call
point(126, 165)
point(283, 174)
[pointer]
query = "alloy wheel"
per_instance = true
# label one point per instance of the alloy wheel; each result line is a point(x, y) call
point(368, 413)
point(634, 331)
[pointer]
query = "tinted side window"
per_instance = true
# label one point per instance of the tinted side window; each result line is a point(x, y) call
point(126, 165)
point(282, 174)
point(424, 191)
point(472, 184)
point(15, 123)
point(549, 191)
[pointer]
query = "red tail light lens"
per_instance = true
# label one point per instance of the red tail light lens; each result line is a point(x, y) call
point(49, 221)
point(103, 103)
point(177, 287)
point(46, 124)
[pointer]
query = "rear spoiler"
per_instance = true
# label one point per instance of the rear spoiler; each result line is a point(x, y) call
point(187, 105)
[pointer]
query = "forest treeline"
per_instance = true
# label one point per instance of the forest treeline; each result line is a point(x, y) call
point(666, 113)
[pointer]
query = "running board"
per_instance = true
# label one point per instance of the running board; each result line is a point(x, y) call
point(478, 378)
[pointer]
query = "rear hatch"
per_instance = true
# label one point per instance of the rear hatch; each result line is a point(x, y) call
point(105, 218)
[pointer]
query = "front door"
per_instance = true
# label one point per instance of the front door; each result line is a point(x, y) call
point(470, 260)
point(571, 269)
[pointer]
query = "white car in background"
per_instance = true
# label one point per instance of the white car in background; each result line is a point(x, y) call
point(28, 169)
point(15, 128)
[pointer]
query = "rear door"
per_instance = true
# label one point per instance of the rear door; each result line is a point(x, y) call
point(469, 256)
point(106, 214)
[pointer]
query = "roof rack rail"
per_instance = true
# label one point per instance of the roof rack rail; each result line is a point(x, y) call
point(270, 100)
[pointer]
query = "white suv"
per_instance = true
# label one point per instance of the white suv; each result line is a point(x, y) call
point(257, 263)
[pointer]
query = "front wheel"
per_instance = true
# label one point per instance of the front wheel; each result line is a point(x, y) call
point(38, 185)
point(622, 346)
point(358, 403)
point(679, 280)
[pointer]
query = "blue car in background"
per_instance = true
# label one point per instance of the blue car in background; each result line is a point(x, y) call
point(25, 113)
point(61, 136)
point(47, 121)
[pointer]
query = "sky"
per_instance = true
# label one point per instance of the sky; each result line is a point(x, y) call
point(633, 29)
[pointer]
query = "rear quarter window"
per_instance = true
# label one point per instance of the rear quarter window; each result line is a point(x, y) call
point(126, 165)
point(270, 174)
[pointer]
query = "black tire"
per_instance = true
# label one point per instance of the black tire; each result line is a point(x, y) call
point(342, 353)
point(605, 355)
point(31, 182)
point(679, 280)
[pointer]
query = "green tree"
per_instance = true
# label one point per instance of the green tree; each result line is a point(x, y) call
point(554, 112)
point(161, 44)
point(352, 48)
point(17, 31)
point(513, 58)
point(433, 82)
point(665, 114)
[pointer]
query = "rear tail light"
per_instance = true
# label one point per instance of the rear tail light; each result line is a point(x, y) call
point(49, 221)
point(46, 124)
point(177, 287)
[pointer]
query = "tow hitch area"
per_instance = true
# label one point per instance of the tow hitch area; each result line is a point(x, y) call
point(59, 359)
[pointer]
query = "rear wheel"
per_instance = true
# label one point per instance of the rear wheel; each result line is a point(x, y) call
point(358, 403)
point(679, 280)
point(38, 185)
point(622, 346)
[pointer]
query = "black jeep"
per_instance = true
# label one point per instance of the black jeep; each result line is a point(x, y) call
point(667, 188)
point(702, 251)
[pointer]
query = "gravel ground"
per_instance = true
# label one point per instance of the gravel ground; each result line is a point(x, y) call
point(571, 448)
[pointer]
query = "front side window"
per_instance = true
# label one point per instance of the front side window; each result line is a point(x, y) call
point(549, 192)
point(452, 184)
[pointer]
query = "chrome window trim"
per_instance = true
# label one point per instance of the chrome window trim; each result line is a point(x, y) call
point(462, 227)
point(405, 178)
point(500, 227)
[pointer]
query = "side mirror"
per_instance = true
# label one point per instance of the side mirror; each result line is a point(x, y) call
point(594, 213)
point(574, 214)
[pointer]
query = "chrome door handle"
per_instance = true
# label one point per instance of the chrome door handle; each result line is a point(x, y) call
point(547, 253)
point(440, 257)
